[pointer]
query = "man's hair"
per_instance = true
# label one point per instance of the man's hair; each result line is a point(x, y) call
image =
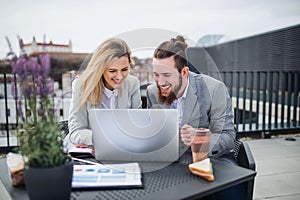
point(174, 47)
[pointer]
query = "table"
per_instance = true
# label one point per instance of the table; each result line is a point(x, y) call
point(172, 182)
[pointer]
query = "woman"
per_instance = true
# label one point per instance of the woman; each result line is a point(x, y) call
point(106, 84)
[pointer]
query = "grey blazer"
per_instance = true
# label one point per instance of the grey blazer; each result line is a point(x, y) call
point(79, 130)
point(207, 105)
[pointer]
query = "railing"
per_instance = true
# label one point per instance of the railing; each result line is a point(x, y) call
point(263, 102)
point(8, 106)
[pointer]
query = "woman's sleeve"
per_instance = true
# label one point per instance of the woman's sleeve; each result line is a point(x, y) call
point(79, 132)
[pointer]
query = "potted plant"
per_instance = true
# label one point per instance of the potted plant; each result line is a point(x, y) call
point(48, 170)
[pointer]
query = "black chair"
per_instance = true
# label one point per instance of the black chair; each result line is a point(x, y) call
point(244, 158)
point(143, 89)
point(64, 128)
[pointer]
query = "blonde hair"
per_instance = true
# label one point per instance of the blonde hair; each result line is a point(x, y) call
point(91, 77)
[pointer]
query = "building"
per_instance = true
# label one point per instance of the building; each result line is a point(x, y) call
point(37, 47)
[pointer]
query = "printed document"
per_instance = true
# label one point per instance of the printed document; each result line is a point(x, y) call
point(108, 175)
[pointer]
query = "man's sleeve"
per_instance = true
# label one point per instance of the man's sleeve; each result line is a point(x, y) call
point(221, 121)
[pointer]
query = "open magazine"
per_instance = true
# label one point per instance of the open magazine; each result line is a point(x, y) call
point(95, 175)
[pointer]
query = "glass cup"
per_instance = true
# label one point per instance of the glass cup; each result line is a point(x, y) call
point(200, 143)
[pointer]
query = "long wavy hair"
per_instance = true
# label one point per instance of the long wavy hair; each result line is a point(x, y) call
point(92, 76)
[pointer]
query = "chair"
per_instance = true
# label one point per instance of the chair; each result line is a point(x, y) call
point(243, 155)
point(143, 89)
point(64, 128)
point(244, 158)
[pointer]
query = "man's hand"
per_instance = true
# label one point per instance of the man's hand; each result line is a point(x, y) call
point(185, 134)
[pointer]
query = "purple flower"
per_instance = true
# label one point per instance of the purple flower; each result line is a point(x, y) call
point(35, 84)
point(33, 67)
point(51, 88)
point(45, 63)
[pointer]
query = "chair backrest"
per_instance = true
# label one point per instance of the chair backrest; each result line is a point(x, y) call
point(64, 128)
point(243, 155)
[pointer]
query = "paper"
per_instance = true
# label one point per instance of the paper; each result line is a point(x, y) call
point(112, 175)
point(80, 150)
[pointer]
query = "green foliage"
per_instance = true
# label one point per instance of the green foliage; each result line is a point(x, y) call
point(41, 145)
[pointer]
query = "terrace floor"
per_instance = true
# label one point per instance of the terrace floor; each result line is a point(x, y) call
point(278, 168)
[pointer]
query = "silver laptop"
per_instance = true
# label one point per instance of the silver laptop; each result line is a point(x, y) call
point(135, 134)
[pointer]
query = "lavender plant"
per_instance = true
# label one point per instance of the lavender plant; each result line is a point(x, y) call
point(39, 137)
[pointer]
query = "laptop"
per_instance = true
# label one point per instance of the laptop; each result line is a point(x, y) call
point(135, 134)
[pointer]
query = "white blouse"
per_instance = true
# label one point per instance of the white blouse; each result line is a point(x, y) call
point(110, 98)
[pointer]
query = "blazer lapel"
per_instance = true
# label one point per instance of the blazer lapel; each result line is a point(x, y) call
point(190, 103)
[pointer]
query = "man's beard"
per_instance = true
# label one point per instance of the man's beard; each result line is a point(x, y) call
point(168, 100)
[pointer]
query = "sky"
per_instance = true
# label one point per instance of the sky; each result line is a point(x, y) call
point(88, 23)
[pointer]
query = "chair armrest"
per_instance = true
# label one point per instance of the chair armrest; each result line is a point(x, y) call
point(247, 152)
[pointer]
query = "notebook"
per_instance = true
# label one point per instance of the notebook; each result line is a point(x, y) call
point(135, 134)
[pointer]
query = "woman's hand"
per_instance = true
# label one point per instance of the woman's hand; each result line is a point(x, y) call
point(185, 134)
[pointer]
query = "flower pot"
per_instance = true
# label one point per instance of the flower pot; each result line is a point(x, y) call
point(49, 183)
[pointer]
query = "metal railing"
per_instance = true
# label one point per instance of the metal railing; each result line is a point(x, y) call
point(263, 101)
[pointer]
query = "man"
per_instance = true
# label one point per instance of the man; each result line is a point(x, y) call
point(201, 101)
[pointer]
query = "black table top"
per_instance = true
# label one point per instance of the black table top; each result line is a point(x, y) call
point(172, 182)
